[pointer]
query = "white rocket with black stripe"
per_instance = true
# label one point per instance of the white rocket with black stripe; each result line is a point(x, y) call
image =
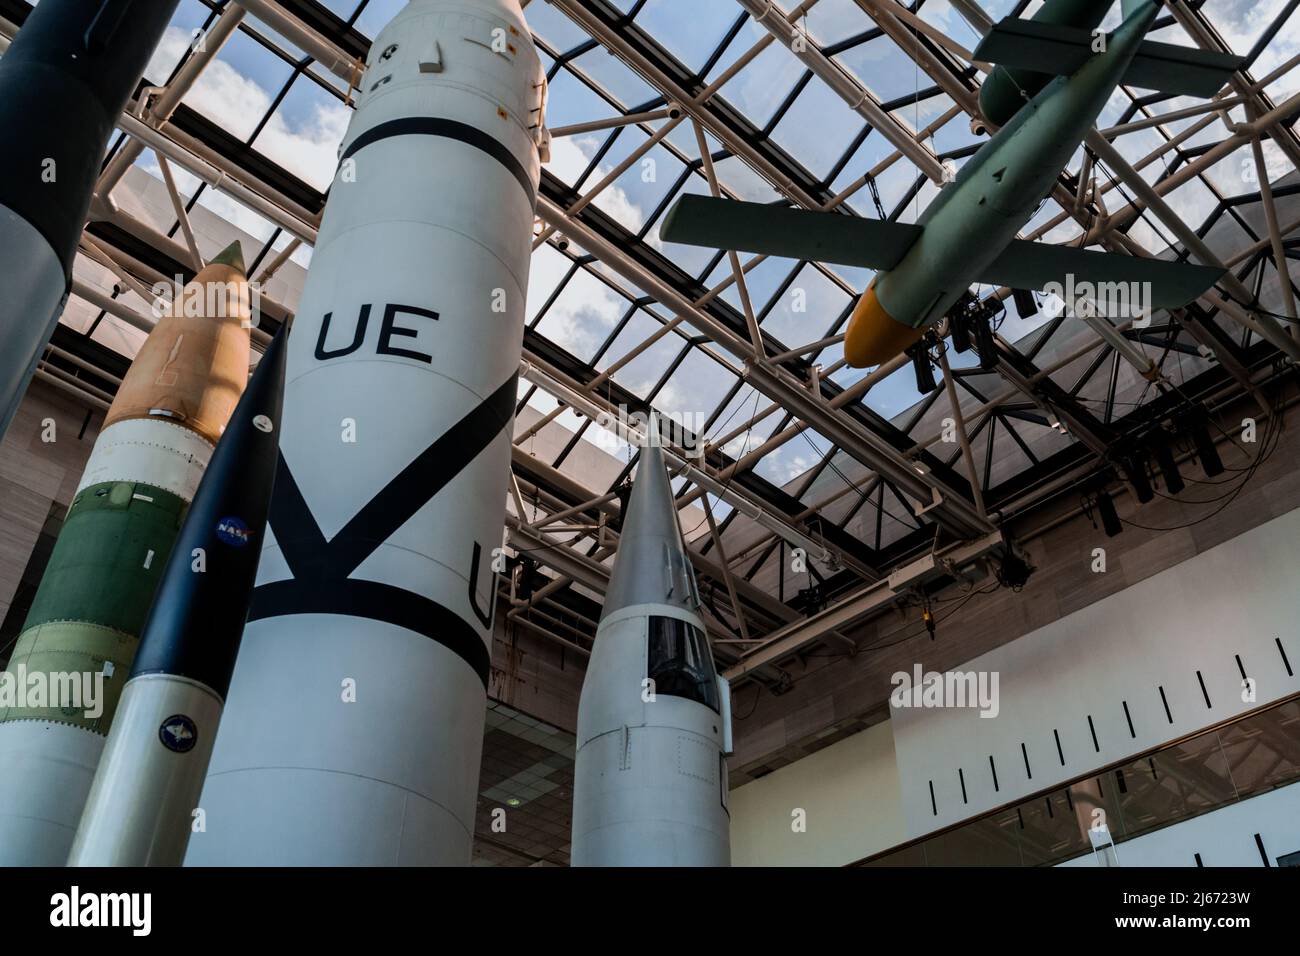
point(654, 718)
point(353, 730)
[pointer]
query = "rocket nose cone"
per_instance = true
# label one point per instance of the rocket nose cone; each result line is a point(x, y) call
point(651, 566)
point(652, 456)
point(232, 255)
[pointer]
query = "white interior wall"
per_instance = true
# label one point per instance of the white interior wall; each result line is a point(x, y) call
point(870, 791)
point(851, 798)
point(1235, 600)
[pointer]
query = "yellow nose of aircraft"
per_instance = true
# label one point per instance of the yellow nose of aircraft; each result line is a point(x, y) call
point(874, 336)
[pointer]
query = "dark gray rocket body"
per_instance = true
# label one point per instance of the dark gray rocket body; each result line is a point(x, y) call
point(63, 82)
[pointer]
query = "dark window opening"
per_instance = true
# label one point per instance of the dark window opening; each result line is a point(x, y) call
point(680, 662)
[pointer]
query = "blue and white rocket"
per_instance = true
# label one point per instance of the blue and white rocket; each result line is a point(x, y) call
point(144, 801)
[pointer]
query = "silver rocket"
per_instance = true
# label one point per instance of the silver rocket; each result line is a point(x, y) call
point(353, 730)
point(654, 718)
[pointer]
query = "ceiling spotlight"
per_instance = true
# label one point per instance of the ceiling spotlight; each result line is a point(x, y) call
point(1136, 469)
point(1164, 457)
point(920, 355)
point(1025, 302)
point(1110, 522)
point(1211, 463)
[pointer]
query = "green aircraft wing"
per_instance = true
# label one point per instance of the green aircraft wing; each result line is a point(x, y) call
point(1060, 51)
point(1180, 69)
point(1031, 45)
point(1032, 265)
point(870, 243)
point(790, 233)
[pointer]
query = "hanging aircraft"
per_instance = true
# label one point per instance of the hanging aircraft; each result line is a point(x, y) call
point(967, 234)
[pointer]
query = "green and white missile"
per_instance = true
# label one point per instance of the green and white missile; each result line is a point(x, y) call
point(60, 691)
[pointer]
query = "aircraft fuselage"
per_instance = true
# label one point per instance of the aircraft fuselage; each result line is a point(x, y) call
point(973, 219)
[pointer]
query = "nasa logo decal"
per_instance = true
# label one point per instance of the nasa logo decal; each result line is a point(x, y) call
point(234, 532)
point(178, 733)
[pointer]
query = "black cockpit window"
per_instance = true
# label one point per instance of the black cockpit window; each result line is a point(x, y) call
point(680, 662)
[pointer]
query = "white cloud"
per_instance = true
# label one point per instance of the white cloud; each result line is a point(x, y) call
point(237, 103)
point(570, 156)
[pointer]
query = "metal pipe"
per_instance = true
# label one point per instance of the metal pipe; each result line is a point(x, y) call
point(318, 47)
point(949, 384)
point(859, 99)
point(208, 45)
point(1211, 106)
point(586, 198)
point(79, 393)
point(183, 217)
point(742, 289)
point(614, 122)
point(110, 305)
point(216, 178)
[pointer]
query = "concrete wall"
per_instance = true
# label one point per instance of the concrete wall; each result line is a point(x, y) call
point(1108, 669)
point(850, 796)
point(36, 475)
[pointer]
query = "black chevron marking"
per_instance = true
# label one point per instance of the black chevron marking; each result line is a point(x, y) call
point(321, 569)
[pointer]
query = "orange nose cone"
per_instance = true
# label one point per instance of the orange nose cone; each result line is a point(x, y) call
point(874, 335)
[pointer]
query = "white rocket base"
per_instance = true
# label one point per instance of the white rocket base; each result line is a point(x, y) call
point(304, 778)
point(654, 800)
point(139, 811)
point(649, 778)
point(41, 794)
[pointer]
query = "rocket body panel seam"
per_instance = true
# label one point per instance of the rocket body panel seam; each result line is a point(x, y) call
point(405, 363)
point(521, 286)
point(376, 601)
point(346, 773)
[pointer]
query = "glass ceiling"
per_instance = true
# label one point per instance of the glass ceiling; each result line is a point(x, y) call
point(590, 318)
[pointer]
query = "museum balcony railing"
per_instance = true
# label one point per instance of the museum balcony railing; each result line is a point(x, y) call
point(1217, 767)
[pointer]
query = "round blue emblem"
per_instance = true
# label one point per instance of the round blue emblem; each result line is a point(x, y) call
point(178, 733)
point(234, 532)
